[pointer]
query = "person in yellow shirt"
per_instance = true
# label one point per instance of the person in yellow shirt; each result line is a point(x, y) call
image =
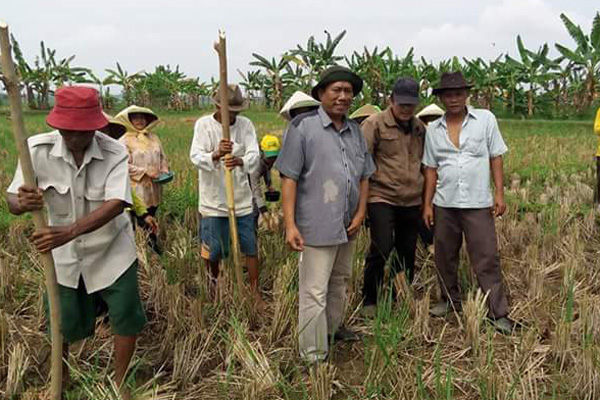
point(597, 132)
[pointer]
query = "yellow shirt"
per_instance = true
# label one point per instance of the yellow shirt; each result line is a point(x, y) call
point(597, 131)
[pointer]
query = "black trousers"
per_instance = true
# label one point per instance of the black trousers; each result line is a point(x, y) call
point(152, 238)
point(392, 227)
point(597, 186)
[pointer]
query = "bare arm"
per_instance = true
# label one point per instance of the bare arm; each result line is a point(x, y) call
point(49, 238)
point(497, 166)
point(292, 234)
point(428, 192)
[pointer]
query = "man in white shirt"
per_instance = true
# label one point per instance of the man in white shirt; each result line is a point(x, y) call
point(83, 178)
point(461, 148)
point(208, 155)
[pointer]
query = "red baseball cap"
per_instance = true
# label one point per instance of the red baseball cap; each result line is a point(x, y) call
point(76, 108)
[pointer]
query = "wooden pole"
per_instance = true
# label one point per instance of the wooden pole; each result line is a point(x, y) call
point(221, 49)
point(11, 83)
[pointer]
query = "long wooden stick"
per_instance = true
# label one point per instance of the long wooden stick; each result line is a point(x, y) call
point(11, 83)
point(221, 49)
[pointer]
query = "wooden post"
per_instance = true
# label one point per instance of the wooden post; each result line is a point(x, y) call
point(39, 218)
point(221, 49)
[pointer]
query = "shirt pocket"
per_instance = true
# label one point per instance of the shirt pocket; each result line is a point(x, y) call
point(388, 143)
point(58, 200)
point(476, 146)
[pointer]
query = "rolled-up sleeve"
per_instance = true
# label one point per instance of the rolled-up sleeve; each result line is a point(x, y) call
point(117, 185)
point(290, 160)
point(201, 151)
point(369, 167)
point(17, 181)
point(496, 145)
point(251, 156)
point(429, 159)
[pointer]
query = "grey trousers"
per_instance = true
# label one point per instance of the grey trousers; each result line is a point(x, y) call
point(323, 273)
point(480, 233)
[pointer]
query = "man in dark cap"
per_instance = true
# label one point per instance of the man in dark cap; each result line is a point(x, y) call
point(325, 167)
point(461, 148)
point(395, 138)
point(83, 178)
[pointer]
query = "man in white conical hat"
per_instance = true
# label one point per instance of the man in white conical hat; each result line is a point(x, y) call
point(430, 113)
point(297, 104)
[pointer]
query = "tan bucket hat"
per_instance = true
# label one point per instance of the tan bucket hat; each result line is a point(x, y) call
point(235, 98)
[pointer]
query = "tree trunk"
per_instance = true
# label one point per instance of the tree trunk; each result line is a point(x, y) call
point(530, 101)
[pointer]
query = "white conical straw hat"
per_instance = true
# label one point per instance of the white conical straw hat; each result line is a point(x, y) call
point(298, 99)
point(431, 110)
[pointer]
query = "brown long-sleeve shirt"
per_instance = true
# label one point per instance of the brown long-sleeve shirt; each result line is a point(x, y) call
point(397, 155)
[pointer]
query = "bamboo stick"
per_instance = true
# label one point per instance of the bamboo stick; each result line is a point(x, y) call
point(39, 218)
point(221, 49)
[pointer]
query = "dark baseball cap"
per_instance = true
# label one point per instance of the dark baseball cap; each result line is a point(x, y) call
point(406, 91)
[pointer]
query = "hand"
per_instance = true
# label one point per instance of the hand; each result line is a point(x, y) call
point(152, 224)
point(30, 198)
point(293, 238)
point(52, 237)
point(153, 173)
point(225, 147)
point(355, 224)
point(232, 162)
point(428, 216)
point(499, 205)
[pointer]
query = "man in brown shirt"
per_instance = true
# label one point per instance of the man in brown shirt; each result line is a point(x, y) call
point(395, 138)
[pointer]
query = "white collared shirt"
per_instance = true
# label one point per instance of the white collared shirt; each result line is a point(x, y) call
point(464, 172)
point(211, 175)
point(102, 256)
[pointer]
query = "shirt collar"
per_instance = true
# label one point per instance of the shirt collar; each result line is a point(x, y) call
point(60, 150)
point(442, 121)
point(390, 121)
point(326, 120)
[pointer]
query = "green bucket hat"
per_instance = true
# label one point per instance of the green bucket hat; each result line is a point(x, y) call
point(335, 74)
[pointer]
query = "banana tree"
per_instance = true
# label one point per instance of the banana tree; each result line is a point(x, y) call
point(485, 78)
point(274, 69)
point(318, 56)
point(252, 82)
point(536, 69)
point(586, 56)
point(121, 77)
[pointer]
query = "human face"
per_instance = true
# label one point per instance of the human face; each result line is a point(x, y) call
point(232, 115)
point(77, 141)
point(138, 120)
point(336, 99)
point(403, 112)
point(454, 100)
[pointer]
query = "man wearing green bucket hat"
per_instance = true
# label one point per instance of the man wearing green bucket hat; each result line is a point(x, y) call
point(325, 167)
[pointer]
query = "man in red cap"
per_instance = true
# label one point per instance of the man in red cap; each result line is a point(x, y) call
point(83, 178)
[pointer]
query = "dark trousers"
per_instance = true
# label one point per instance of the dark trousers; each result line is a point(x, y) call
point(597, 186)
point(391, 227)
point(152, 238)
point(480, 233)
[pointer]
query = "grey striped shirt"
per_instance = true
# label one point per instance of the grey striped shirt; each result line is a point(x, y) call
point(328, 166)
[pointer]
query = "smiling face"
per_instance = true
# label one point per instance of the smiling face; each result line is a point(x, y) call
point(138, 120)
point(77, 141)
point(454, 100)
point(336, 98)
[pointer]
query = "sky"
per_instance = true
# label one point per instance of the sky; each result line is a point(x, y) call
point(143, 34)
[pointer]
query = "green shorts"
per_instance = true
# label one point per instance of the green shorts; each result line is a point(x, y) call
point(78, 309)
